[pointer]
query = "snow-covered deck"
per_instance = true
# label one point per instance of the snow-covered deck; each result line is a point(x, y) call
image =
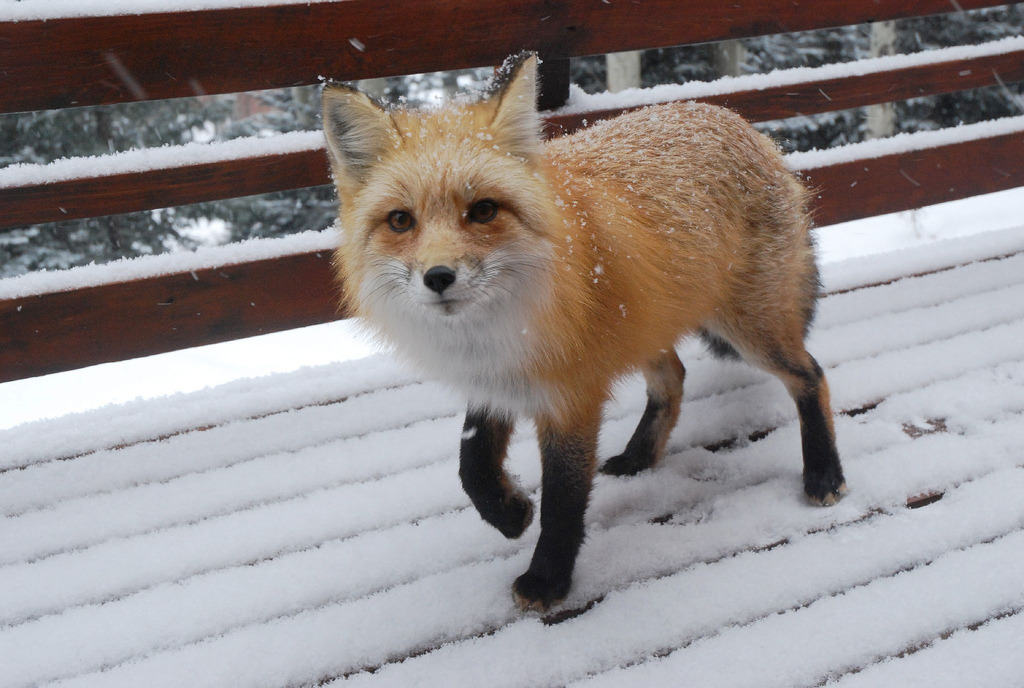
point(314, 528)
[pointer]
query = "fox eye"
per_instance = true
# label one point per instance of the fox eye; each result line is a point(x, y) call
point(401, 221)
point(483, 211)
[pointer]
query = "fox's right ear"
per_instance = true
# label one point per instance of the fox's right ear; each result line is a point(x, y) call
point(358, 132)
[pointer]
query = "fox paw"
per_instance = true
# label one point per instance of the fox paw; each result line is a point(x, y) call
point(535, 593)
point(513, 517)
point(627, 464)
point(826, 487)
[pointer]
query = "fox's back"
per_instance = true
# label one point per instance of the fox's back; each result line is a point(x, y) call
point(699, 208)
point(691, 163)
point(653, 183)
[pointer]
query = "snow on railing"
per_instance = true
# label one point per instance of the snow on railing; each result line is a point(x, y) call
point(127, 269)
point(146, 159)
point(581, 102)
point(904, 143)
point(25, 10)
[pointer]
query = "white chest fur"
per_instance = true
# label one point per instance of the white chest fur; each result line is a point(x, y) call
point(483, 356)
point(485, 346)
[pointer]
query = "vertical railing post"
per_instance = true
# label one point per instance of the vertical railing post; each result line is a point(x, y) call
point(554, 82)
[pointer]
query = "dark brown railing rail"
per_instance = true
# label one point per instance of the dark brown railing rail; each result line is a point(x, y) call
point(98, 60)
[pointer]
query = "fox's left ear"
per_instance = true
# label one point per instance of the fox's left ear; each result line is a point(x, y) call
point(516, 123)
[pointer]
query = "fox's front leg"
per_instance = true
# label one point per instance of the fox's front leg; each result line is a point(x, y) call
point(568, 459)
point(485, 438)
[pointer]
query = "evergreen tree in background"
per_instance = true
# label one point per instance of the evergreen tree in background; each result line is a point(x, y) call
point(44, 136)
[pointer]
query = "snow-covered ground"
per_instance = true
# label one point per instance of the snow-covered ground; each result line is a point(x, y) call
point(185, 371)
point(315, 530)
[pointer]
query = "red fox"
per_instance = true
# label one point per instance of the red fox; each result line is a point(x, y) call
point(532, 275)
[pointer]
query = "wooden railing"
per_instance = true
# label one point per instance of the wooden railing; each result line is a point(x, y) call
point(65, 62)
point(58, 63)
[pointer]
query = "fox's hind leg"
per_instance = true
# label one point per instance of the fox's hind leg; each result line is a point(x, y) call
point(485, 438)
point(803, 377)
point(664, 378)
point(780, 350)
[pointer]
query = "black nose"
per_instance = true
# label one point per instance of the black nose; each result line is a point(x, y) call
point(439, 278)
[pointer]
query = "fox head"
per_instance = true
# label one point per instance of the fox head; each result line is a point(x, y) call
point(445, 212)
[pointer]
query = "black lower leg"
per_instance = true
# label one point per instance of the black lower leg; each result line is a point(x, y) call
point(484, 443)
point(664, 378)
point(641, 450)
point(823, 474)
point(567, 461)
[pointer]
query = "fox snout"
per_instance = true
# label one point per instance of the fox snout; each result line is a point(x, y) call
point(439, 278)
